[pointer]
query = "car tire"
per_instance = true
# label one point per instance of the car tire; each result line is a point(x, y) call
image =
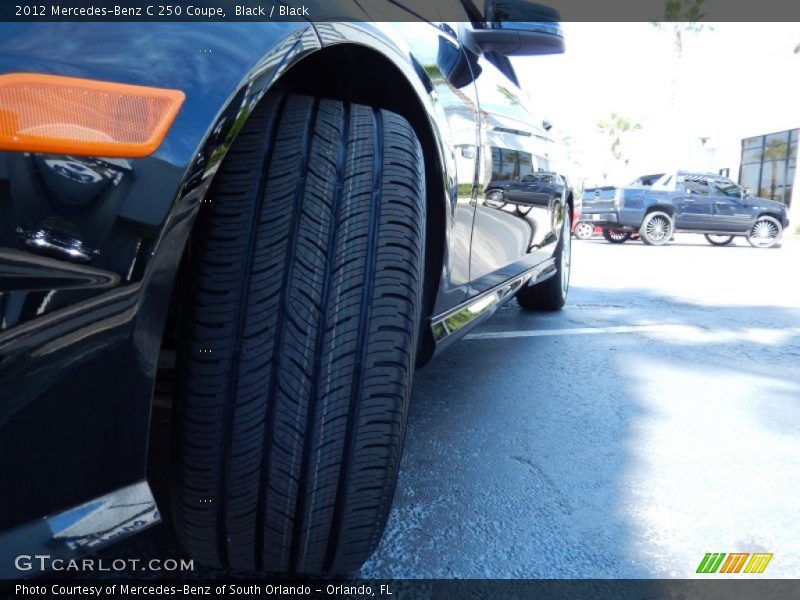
point(657, 228)
point(765, 233)
point(495, 199)
point(551, 294)
point(719, 240)
point(298, 339)
point(612, 236)
point(584, 230)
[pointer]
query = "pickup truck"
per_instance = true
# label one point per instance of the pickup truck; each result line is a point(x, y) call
point(683, 201)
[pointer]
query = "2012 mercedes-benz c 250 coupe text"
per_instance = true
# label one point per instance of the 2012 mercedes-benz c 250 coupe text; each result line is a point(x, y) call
point(300, 213)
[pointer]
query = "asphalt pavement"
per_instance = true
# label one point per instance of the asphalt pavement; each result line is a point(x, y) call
point(655, 419)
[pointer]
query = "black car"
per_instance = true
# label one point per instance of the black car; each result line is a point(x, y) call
point(293, 208)
point(685, 202)
point(526, 191)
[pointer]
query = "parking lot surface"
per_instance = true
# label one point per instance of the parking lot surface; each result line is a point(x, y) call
point(653, 420)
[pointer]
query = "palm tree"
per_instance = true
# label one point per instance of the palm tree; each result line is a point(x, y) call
point(616, 128)
point(681, 17)
point(511, 96)
point(775, 150)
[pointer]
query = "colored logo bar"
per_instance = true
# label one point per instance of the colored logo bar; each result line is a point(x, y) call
point(714, 562)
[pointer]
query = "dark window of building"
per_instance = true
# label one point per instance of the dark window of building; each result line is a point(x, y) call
point(525, 164)
point(495, 163)
point(749, 176)
point(769, 164)
point(510, 165)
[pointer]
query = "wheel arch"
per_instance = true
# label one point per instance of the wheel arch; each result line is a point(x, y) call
point(343, 72)
point(774, 215)
point(665, 208)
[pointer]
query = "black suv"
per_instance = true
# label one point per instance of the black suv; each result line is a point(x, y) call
point(685, 202)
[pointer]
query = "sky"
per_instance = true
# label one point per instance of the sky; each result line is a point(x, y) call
point(734, 80)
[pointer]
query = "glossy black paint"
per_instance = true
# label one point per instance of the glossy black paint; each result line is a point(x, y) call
point(81, 328)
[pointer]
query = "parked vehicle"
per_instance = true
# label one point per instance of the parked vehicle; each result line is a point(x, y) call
point(584, 230)
point(690, 202)
point(297, 213)
point(528, 188)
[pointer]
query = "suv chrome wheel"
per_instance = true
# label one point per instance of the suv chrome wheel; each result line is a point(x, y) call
point(765, 232)
point(566, 256)
point(657, 229)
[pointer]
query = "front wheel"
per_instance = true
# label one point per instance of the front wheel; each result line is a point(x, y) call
point(584, 230)
point(765, 233)
point(613, 236)
point(719, 240)
point(657, 229)
point(299, 338)
point(551, 294)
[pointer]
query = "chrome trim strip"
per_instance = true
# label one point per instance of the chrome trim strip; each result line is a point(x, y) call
point(468, 315)
point(80, 530)
point(48, 242)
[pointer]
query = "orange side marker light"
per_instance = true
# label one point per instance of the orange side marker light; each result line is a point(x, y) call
point(51, 114)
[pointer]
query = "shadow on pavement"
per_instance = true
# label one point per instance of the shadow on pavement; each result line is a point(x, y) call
point(576, 456)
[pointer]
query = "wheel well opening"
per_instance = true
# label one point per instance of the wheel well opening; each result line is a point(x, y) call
point(348, 72)
point(670, 210)
point(775, 216)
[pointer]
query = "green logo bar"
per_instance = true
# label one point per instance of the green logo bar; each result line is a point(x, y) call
point(710, 562)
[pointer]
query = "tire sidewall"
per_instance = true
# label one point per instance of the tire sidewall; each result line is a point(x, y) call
point(583, 226)
point(713, 243)
point(772, 220)
point(611, 240)
point(643, 229)
point(565, 246)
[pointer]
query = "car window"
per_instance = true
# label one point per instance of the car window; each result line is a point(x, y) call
point(540, 177)
point(726, 187)
point(695, 185)
point(647, 180)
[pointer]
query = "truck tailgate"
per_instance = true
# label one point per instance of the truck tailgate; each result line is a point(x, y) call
point(599, 199)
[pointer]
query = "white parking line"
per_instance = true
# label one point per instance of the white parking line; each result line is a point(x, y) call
point(675, 332)
point(494, 335)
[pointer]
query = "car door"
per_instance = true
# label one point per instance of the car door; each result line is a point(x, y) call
point(693, 203)
point(446, 73)
point(508, 238)
point(731, 212)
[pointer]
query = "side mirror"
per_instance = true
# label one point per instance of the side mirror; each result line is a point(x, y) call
point(520, 28)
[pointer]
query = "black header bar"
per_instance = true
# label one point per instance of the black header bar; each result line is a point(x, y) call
point(388, 10)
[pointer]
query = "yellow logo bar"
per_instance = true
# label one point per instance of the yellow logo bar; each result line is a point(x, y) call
point(758, 563)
